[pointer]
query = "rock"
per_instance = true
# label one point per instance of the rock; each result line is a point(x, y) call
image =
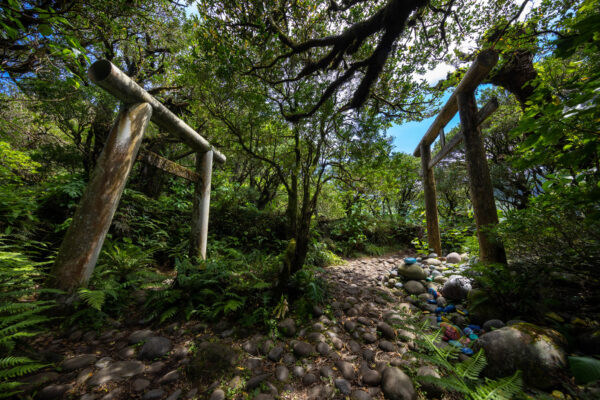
point(155, 367)
point(169, 377)
point(396, 385)
point(364, 321)
point(113, 394)
point(320, 392)
point(349, 325)
point(337, 343)
point(386, 330)
point(251, 347)
point(116, 371)
point(275, 353)
point(360, 395)
point(303, 349)
point(413, 272)
point(175, 395)
point(369, 338)
point(431, 388)
point(211, 360)
point(282, 373)
point(298, 371)
point(309, 379)
point(155, 347)
point(386, 346)
point(139, 336)
point(453, 258)
point(140, 384)
point(154, 394)
point(77, 362)
point(323, 348)
point(217, 395)
point(255, 381)
point(317, 311)
point(266, 346)
point(315, 337)
point(346, 369)
point(288, 358)
point(326, 371)
point(492, 324)
point(369, 355)
point(432, 261)
point(287, 327)
point(456, 288)
point(343, 386)
point(536, 351)
point(371, 377)
point(414, 287)
point(127, 352)
point(103, 362)
point(53, 391)
point(264, 396)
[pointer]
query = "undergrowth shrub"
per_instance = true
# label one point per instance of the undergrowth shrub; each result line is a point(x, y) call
point(22, 316)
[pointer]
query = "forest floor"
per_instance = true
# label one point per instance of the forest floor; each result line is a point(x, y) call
point(346, 350)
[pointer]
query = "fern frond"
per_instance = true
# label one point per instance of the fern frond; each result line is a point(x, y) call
point(471, 368)
point(20, 370)
point(450, 383)
point(93, 298)
point(502, 389)
point(11, 361)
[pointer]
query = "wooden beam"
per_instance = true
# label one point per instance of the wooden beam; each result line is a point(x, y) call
point(167, 165)
point(482, 65)
point(482, 192)
point(431, 212)
point(482, 115)
point(201, 206)
point(83, 241)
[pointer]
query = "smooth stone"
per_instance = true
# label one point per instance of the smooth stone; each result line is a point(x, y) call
point(369, 355)
point(113, 394)
point(453, 258)
point(217, 395)
point(430, 388)
point(354, 346)
point(139, 336)
point(414, 287)
point(396, 385)
point(156, 367)
point(492, 324)
point(326, 371)
point(386, 346)
point(264, 396)
point(346, 369)
point(103, 362)
point(456, 288)
point(175, 395)
point(140, 384)
point(309, 379)
point(412, 272)
point(323, 348)
point(298, 371)
point(77, 362)
point(275, 353)
point(169, 377)
point(53, 391)
point(364, 321)
point(287, 327)
point(337, 343)
point(255, 381)
point(386, 330)
point(155, 347)
point(282, 373)
point(303, 349)
point(154, 394)
point(289, 358)
point(369, 338)
point(360, 395)
point(371, 377)
point(116, 371)
point(315, 337)
point(343, 386)
point(349, 325)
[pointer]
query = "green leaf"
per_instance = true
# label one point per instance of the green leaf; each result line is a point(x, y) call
point(584, 369)
point(45, 30)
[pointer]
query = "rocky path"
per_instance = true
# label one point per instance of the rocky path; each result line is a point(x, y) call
point(358, 346)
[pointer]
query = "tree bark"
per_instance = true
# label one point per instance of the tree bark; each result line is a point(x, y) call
point(482, 193)
point(431, 212)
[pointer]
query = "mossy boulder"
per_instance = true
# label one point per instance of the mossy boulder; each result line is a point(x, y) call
point(537, 352)
point(412, 272)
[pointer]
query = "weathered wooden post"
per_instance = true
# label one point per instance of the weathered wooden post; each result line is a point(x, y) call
point(81, 246)
point(431, 212)
point(201, 206)
point(482, 192)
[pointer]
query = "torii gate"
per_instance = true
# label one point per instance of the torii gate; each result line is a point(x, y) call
point(482, 194)
point(83, 241)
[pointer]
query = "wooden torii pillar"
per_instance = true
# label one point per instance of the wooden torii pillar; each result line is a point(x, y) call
point(462, 100)
point(83, 241)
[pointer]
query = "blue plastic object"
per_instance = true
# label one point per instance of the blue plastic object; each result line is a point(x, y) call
point(432, 292)
point(473, 336)
point(439, 310)
point(410, 260)
point(455, 343)
point(475, 328)
point(468, 331)
point(430, 301)
point(449, 308)
point(467, 351)
point(439, 319)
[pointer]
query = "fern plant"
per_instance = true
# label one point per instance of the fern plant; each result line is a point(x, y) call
point(21, 317)
point(464, 377)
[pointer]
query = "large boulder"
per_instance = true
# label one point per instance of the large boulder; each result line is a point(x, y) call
point(457, 287)
point(413, 272)
point(538, 352)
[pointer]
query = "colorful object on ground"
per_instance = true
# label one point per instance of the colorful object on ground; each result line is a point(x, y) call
point(410, 260)
point(474, 328)
point(455, 343)
point(467, 351)
point(432, 292)
point(449, 308)
point(473, 336)
point(431, 301)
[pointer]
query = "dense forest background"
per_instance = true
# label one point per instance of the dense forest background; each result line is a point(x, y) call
point(311, 177)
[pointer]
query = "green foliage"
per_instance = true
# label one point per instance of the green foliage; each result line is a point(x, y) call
point(464, 377)
point(22, 316)
point(584, 369)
